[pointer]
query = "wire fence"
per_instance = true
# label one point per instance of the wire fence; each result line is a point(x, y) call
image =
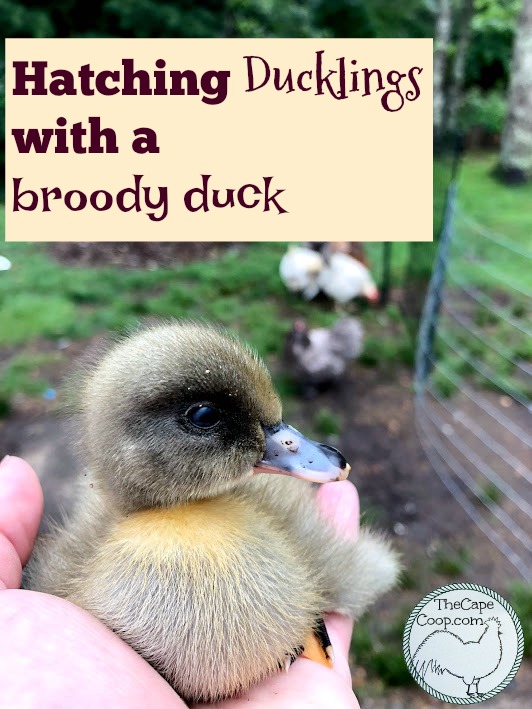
point(473, 378)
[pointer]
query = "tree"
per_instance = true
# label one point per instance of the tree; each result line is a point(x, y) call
point(515, 164)
point(459, 65)
point(442, 37)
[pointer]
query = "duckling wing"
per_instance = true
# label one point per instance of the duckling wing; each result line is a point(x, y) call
point(351, 574)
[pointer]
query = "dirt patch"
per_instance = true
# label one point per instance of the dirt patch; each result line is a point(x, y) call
point(135, 254)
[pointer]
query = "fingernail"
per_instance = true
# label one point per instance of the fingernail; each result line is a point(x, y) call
point(4, 461)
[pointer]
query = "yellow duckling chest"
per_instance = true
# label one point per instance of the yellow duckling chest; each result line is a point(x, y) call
point(214, 529)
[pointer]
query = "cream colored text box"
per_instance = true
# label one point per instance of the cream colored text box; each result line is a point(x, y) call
point(340, 149)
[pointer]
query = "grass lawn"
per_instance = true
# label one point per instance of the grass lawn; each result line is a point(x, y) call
point(496, 214)
point(41, 299)
point(491, 255)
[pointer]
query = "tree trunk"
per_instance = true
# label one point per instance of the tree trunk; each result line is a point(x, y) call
point(457, 83)
point(441, 46)
point(515, 164)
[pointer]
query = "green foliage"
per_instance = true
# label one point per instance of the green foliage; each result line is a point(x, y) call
point(30, 316)
point(18, 20)
point(490, 51)
point(380, 649)
point(504, 211)
point(444, 386)
point(21, 374)
point(412, 18)
point(490, 493)
point(274, 18)
point(162, 18)
point(327, 423)
point(451, 564)
point(483, 110)
point(413, 577)
point(521, 601)
point(388, 349)
point(491, 343)
point(343, 18)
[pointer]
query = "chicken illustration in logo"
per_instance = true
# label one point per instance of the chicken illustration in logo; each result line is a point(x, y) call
point(472, 661)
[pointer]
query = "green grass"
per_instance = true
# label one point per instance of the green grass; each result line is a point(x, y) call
point(487, 339)
point(505, 213)
point(326, 423)
point(42, 300)
point(25, 374)
point(380, 650)
point(521, 601)
point(491, 493)
point(450, 563)
point(502, 209)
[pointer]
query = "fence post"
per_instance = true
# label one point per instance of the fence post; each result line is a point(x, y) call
point(431, 309)
point(386, 272)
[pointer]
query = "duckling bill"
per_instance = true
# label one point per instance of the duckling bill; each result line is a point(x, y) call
point(288, 452)
point(214, 574)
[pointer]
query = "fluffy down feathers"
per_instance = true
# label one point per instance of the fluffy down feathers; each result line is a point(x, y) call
point(212, 574)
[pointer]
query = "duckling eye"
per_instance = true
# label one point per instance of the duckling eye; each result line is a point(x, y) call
point(204, 416)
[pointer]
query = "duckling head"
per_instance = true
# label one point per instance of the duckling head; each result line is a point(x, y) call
point(184, 411)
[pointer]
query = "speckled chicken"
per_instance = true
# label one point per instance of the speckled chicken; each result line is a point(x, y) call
point(319, 356)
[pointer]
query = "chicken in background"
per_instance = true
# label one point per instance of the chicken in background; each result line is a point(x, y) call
point(299, 270)
point(319, 356)
point(328, 267)
point(355, 249)
point(343, 278)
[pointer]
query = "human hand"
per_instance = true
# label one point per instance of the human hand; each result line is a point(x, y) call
point(55, 654)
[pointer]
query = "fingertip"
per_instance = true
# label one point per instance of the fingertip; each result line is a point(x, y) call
point(21, 504)
point(340, 504)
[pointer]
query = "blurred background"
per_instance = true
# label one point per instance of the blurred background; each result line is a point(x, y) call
point(424, 379)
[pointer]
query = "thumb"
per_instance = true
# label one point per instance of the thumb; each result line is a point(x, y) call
point(339, 503)
point(21, 505)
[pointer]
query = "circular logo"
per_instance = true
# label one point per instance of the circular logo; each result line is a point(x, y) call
point(463, 643)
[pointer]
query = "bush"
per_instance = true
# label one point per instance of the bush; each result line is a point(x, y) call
point(483, 110)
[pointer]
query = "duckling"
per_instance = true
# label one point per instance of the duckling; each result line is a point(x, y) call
point(215, 573)
point(319, 356)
